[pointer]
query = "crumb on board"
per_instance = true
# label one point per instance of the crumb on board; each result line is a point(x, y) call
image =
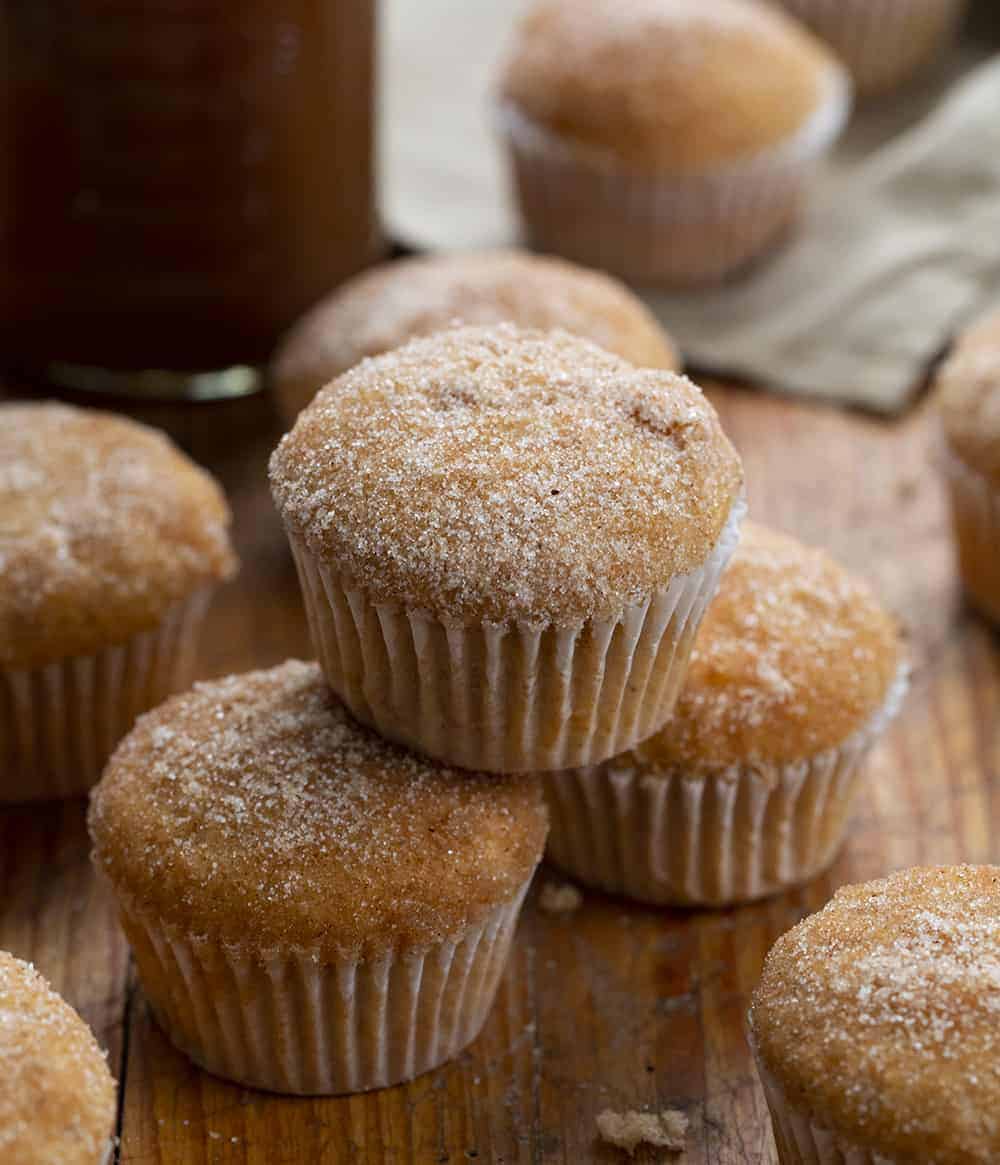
point(628, 1130)
point(559, 898)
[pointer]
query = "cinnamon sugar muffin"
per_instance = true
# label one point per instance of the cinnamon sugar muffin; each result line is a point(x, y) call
point(506, 541)
point(111, 541)
point(383, 308)
point(57, 1102)
point(876, 1025)
point(668, 141)
point(312, 910)
point(884, 43)
point(968, 397)
point(795, 673)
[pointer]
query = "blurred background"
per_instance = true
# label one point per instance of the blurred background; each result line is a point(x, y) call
point(184, 178)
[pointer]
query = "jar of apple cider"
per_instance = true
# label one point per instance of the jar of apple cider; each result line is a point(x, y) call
point(182, 178)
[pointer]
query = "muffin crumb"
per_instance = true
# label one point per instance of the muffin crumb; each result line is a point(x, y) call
point(628, 1130)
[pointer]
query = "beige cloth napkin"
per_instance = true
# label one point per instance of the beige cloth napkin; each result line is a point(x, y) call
point(892, 258)
point(900, 245)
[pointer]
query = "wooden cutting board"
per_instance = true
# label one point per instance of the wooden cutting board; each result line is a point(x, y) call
point(613, 1006)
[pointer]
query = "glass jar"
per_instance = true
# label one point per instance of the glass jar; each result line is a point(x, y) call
point(182, 179)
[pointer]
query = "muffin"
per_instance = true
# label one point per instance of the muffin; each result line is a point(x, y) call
point(383, 308)
point(57, 1103)
point(876, 1025)
point(506, 540)
point(111, 542)
point(311, 909)
point(668, 141)
point(968, 398)
point(883, 43)
point(795, 673)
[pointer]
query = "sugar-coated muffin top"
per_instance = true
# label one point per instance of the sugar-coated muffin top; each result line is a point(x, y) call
point(382, 308)
point(57, 1098)
point(253, 809)
point(968, 396)
point(668, 86)
point(494, 473)
point(793, 656)
point(104, 524)
point(881, 1015)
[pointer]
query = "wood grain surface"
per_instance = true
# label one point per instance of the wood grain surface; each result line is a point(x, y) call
point(614, 1006)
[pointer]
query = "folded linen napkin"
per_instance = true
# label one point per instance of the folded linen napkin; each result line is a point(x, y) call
point(892, 258)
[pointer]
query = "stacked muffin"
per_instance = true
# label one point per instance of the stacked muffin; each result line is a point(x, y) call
point(311, 909)
point(508, 542)
point(747, 789)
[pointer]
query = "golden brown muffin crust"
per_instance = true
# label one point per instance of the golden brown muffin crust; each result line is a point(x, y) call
point(253, 810)
point(793, 656)
point(496, 474)
point(968, 395)
point(667, 86)
point(880, 1015)
point(104, 525)
point(383, 308)
point(57, 1097)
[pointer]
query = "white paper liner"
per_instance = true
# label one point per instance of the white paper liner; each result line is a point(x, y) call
point(522, 697)
point(883, 43)
point(798, 1139)
point(60, 723)
point(294, 1022)
point(674, 838)
point(665, 230)
point(975, 509)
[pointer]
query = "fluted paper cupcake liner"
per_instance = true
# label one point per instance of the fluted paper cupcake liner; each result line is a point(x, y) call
point(683, 839)
point(295, 1022)
point(60, 723)
point(664, 230)
point(802, 1142)
point(883, 43)
point(509, 698)
point(975, 509)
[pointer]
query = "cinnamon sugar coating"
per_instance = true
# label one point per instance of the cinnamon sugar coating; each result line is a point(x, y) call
point(667, 86)
point(880, 1016)
point(793, 656)
point(254, 811)
point(57, 1097)
point(493, 473)
point(383, 308)
point(968, 395)
point(104, 525)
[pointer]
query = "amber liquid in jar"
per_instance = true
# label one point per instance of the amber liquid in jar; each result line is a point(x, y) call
point(182, 179)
